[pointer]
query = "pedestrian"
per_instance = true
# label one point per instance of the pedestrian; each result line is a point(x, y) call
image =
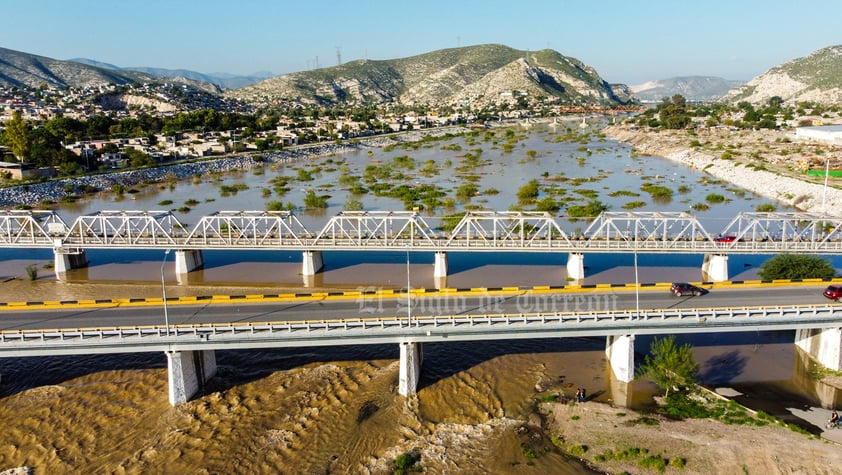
point(578, 394)
point(584, 395)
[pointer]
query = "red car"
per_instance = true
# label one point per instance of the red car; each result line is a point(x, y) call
point(725, 238)
point(833, 292)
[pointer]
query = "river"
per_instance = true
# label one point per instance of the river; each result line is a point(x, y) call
point(336, 410)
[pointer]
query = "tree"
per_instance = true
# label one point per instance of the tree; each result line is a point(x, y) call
point(670, 366)
point(17, 136)
point(796, 266)
point(672, 112)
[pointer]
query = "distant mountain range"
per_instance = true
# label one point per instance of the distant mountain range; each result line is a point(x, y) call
point(475, 74)
point(225, 80)
point(816, 77)
point(693, 88)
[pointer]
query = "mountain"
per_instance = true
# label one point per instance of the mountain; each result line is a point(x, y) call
point(19, 69)
point(693, 88)
point(815, 78)
point(478, 74)
point(224, 80)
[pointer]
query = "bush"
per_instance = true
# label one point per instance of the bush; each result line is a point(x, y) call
point(32, 272)
point(796, 266)
point(653, 462)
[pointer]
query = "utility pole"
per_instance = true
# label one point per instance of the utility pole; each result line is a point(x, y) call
point(339, 56)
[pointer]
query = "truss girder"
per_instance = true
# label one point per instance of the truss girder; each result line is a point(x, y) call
point(501, 229)
point(659, 229)
point(748, 233)
point(250, 229)
point(376, 229)
point(125, 228)
point(784, 228)
point(34, 227)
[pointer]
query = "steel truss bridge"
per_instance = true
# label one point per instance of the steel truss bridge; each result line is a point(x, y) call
point(610, 232)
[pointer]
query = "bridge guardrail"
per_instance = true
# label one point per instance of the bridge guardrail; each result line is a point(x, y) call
point(628, 320)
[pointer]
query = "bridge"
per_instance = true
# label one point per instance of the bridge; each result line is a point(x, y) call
point(191, 359)
point(476, 231)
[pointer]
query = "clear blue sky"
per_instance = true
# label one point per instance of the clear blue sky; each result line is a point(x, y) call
point(626, 41)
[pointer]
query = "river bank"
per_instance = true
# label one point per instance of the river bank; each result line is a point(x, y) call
point(763, 162)
point(613, 440)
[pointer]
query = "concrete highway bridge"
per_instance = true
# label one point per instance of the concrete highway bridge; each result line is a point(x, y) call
point(41, 330)
point(476, 231)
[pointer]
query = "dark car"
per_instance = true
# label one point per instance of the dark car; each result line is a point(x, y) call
point(833, 292)
point(680, 289)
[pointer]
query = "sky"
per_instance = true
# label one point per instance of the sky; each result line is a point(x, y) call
point(627, 42)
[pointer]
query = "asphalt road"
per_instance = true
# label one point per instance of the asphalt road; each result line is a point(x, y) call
point(370, 306)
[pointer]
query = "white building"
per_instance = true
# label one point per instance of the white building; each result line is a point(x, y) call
point(830, 134)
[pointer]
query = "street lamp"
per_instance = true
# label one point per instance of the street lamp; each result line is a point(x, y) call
point(164, 293)
point(408, 291)
point(826, 175)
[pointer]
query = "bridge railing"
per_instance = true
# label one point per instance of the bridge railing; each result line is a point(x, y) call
point(619, 321)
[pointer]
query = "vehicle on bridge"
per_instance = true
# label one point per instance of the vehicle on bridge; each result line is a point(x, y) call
point(680, 289)
point(833, 292)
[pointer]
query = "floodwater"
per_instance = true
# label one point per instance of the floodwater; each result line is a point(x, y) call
point(336, 410)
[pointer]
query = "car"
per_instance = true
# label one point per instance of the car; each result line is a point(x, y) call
point(833, 292)
point(680, 289)
point(725, 238)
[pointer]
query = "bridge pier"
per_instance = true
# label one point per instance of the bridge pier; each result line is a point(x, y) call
point(440, 269)
point(188, 260)
point(576, 266)
point(313, 263)
point(822, 344)
point(66, 260)
point(410, 368)
point(187, 373)
point(620, 352)
point(715, 267)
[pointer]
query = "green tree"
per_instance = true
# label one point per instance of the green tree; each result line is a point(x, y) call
point(17, 136)
point(672, 112)
point(796, 266)
point(670, 366)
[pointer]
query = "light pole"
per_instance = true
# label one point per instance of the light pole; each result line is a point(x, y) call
point(408, 291)
point(636, 284)
point(164, 293)
point(826, 175)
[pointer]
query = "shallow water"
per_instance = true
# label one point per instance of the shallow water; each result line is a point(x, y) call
point(335, 410)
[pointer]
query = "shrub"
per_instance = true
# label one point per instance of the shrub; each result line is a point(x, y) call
point(577, 450)
point(796, 266)
point(653, 462)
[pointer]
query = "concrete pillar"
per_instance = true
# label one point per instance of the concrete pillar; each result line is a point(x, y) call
point(620, 391)
point(187, 373)
point(576, 266)
point(66, 260)
point(410, 368)
point(188, 260)
point(715, 267)
point(312, 263)
point(620, 352)
point(440, 266)
point(823, 345)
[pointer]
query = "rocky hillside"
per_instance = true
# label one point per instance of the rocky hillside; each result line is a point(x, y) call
point(18, 69)
point(224, 80)
point(483, 74)
point(816, 78)
point(693, 88)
